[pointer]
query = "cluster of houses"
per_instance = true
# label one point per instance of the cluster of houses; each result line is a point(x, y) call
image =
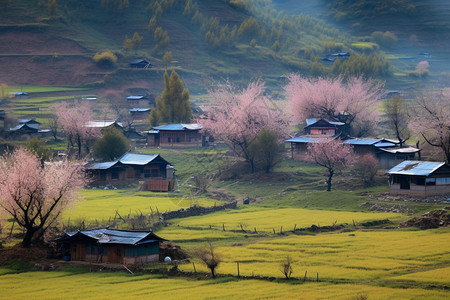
point(407, 173)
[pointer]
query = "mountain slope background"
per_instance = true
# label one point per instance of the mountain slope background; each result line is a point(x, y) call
point(53, 42)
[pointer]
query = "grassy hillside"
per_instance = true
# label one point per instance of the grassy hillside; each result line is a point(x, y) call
point(210, 41)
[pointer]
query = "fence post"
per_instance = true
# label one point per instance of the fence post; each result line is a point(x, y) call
point(238, 268)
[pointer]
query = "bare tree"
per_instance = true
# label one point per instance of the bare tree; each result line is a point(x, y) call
point(286, 267)
point(210, 258)
point(431, 120)
point(397, 117)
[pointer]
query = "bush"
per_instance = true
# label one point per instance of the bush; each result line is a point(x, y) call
point(105, 59)
point(366, 168)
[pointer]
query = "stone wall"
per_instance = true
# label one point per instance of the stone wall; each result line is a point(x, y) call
point(195, 210)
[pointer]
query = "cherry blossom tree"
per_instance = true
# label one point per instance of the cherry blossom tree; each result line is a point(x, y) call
point(237, 117)
point(352, 101)
point(35, 194)
point(332, 155)
point(73, 120)
point(430, 119)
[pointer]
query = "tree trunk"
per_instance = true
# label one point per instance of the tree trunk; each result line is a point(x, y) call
point(26, 242)
point(330, 177)
point(213, 274)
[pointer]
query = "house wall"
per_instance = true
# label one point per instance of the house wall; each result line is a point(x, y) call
point(140, 259)
point(300, 151)
point(180, 138)
point(322, 131)
point(389, 160)
point(421, 190)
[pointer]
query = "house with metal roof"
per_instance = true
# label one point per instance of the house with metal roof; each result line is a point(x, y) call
point(153, 171)
point(386, 151)
point(420, 178)
point(175, 135)
point(140, 63)
point(111, 246)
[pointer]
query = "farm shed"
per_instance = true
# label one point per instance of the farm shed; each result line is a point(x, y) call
point(104, 124)
point(420, 178)
point(156, 173)
point(175, 135)
point(111, 246)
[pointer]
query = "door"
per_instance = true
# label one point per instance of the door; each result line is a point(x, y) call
point(115, 254)
point(404, 183)
point(78, 252)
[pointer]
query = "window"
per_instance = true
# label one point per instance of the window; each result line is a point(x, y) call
point(177, 140)
point(115, 174)
point(146, 173)
point(430, 181)
point(443, 180)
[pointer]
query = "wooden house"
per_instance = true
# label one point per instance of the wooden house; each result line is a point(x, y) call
point(155, 172)
point(104, 124)
point(175, 135)
point(25, 129)
point(420, 178)
point(386, 151)
point(111, 246)
point(299, 145)
point(318, 126)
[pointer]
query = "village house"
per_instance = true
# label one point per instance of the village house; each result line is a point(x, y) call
point(140, 63)
point(386, 151)
point(25, 129)
point(317, 130)
point(104, 124)
point(153, 171)
point(111, 246)
point(420, 178)
point(138, 101)
point(175, 135)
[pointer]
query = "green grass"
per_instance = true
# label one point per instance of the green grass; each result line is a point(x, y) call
point(118, 285)
point(40, 89)
point(100, 205)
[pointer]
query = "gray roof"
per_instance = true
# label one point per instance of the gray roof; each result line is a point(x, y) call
point(102, 124)
point(179, 127)
point(101, 165)
point(312, 121)
point(20, 126)
point(112, 236)
point(418, 168)
point(403, 150)
point(132, 110)
point(137, 159)
point(308, 139)
point(140, 97)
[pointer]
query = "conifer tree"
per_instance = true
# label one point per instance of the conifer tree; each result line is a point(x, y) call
point(174, 105)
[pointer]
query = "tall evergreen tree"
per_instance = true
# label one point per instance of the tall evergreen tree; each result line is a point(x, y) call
point(174, 105)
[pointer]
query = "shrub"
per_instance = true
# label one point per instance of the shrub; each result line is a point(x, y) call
point(366, 168)
point(105, 59)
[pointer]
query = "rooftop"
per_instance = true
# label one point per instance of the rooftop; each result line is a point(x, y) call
point(179, 127)
point(418, 168)
point(113, 236)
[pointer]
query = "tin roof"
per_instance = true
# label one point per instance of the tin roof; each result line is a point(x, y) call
point(400, 150)
point(312, 121)
point(308, 139)
point(101, 165)
point(137, 159)
point(20, 126)
point(367, 142)
point(140, 97)
point(132, 110)
point(101, 124)
point(113, 236)
point(418, 168)
point(179, 127)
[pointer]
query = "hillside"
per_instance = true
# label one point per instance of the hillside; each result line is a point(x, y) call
point(209, 41)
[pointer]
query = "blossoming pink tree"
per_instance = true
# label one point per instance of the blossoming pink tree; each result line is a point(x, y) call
point(73, 120)
point(332, 155)
point(352, 101)
point(35, 194)
point(430, 119)
point(237, 117)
